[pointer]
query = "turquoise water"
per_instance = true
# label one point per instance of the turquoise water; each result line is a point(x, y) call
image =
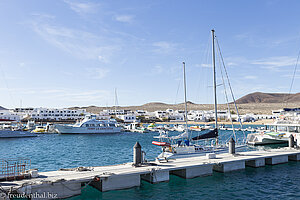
point(52, 152)
point(270, 182)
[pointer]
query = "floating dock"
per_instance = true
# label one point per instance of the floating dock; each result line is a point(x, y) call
point(69, 182)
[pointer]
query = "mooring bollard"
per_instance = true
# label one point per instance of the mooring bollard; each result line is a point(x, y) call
point(291, 141)
point(137, 154)
point(231, 146)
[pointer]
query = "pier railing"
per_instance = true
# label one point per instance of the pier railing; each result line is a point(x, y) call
point(13, 169)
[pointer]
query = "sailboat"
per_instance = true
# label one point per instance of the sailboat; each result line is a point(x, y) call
point(184, 145)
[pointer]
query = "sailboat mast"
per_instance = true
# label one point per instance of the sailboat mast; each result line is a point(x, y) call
point(214, 74)
point(184, 81)
point(116, 101)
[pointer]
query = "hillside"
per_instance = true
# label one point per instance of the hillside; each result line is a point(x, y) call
point(2, 108)
point(258, 103)
point(259, 97)
point(257, 108)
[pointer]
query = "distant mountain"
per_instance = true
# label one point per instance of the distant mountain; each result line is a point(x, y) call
point(259, 97)
point(153, 106)
point(258, 102)
point(2, 108)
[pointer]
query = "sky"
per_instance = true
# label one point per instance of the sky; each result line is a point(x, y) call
point(63, 53)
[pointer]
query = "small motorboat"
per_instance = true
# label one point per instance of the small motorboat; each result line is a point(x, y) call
point(162, 144)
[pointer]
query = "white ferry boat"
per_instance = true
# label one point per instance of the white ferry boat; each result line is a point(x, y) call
point(89, 125)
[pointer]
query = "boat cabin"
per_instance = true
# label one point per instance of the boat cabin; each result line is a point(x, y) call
point(290, 128)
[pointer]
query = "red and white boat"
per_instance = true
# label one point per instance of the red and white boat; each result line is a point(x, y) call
point(162, 144)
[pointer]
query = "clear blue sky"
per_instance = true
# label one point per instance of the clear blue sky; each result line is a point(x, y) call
point(75, 53)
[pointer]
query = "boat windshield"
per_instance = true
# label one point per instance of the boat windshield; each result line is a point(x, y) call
point(281, 128)
point(293, 129)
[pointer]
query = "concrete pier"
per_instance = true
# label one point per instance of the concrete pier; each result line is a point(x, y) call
point(68, 182)
point(156, 176)
point(60, 189)
point(259, 162)
point(117, 182)
point(229, 166)
point(295, 157)
point(195, 171)
point(277, 160)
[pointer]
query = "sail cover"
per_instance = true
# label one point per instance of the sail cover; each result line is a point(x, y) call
point(210, 134)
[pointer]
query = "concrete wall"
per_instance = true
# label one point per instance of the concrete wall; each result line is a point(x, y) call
point(192, 172)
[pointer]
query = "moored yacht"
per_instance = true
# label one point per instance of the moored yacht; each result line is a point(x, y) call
point(275, 133)
point(89, 125)
point(15, 134)
point(179, 127)
point(184, 145)
point(14, 131)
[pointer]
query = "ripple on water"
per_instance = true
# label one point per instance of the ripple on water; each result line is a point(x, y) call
point(52, 152)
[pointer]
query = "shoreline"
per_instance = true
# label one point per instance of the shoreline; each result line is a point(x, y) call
point(259, 122)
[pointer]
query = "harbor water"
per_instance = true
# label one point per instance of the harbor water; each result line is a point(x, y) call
point(269, 182)
point(53, 152)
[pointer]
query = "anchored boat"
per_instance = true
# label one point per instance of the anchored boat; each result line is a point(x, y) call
point(276, 133)
point(90, 125)
point(15, 134)
point(14, 131)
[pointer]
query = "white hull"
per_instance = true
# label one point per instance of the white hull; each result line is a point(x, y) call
point(179, 129)
point(65, 129)
point(263, 139)
point(15, 134)
point(191, 153)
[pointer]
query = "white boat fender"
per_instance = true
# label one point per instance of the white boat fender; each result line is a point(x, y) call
point(34, 173)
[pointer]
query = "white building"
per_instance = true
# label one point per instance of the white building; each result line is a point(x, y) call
point(176, 118)
point(223, 115)
point(128, 118)
point(250, 117)
point(57, 114)
point(23, 111)
point(277, 113)
point(170, 111)
point(265, 117)
point(103, 116)
point(198, 115)
point(141, 112)
point(160, 114)
point(117, 112)
point(9, 115)
point(151, 116)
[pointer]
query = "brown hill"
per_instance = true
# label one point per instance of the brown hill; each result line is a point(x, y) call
point(153, 106)
point(258, 103)
point(259, 97)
